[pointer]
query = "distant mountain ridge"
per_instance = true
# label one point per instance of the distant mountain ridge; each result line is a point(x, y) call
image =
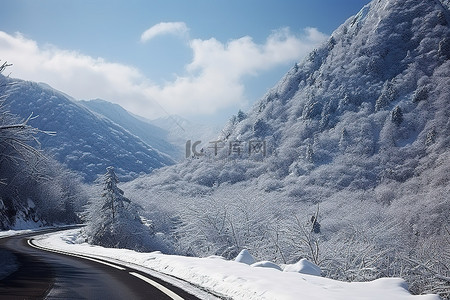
point(152, 135)
point(84, 141)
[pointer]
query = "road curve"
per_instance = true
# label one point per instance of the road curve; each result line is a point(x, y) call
point(47, 275)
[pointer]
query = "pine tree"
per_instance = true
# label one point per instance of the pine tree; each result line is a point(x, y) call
point(112, 220)
point(114, 199)
point(397, 115)
point(241, 116)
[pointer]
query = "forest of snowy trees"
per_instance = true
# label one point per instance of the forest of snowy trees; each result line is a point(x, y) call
point(360, 128)
point(34, 188)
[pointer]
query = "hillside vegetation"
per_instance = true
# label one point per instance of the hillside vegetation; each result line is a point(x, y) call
point(356, 135)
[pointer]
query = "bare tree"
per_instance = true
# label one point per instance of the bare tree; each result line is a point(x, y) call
point(31, 185)
point(17, 138)
point(304, 237)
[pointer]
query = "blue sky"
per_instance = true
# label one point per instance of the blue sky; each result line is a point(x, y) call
point(203, 60)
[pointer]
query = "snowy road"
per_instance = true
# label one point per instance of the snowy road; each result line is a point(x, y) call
point(42, 274)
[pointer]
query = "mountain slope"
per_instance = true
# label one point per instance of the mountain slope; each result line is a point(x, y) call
point(376, 90)
point(83, 141)
point(153, 136)
point(357, 135)
point(369, 105)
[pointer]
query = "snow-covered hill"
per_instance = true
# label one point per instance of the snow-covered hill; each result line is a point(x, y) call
point(166, 134)
point(368, 107)
point(83, 140)
point(360, 129)
point(153, 136)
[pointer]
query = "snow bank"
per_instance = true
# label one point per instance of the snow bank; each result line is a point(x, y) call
point(7, 233)
point(239, 280)
point(245, 257)
point(266, 264)
point(303, 266)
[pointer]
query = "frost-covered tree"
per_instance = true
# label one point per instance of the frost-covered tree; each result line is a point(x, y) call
point(114, 200)
point(34, 189)
point(113, 220)
point(15, 135)
point(397, 115)
point(241, 116)
point(261, 128)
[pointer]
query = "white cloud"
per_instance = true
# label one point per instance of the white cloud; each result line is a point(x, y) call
point(177, 28)
point(213, 80)
point(78, 75)
point(243, 56)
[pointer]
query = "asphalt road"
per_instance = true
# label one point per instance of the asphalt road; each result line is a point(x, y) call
point(48, 275)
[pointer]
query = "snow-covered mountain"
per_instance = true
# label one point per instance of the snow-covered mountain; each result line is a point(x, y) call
point(361, 129)
point(153, 136)
point(166, 134)
point(85, 141)
point(368, 106)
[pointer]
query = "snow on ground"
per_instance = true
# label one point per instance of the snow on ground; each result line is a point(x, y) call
point(7, 233)
point(235, 279)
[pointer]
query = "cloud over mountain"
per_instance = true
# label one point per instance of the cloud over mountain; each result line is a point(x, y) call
point(212, 81)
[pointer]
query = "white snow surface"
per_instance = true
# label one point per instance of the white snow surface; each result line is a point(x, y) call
point(303, 266)
point(233, 279)
point(266, 264)
point(245, 257)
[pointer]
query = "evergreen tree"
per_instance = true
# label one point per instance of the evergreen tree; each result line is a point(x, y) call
point(112, 220)
point(114, 199)
point(241, 116)
point(397, 115)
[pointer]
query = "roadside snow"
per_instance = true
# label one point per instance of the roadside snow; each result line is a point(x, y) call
point(245, 257)
point(266, 264)
point(7, 233)
point(303, 266)
point(234, 279)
